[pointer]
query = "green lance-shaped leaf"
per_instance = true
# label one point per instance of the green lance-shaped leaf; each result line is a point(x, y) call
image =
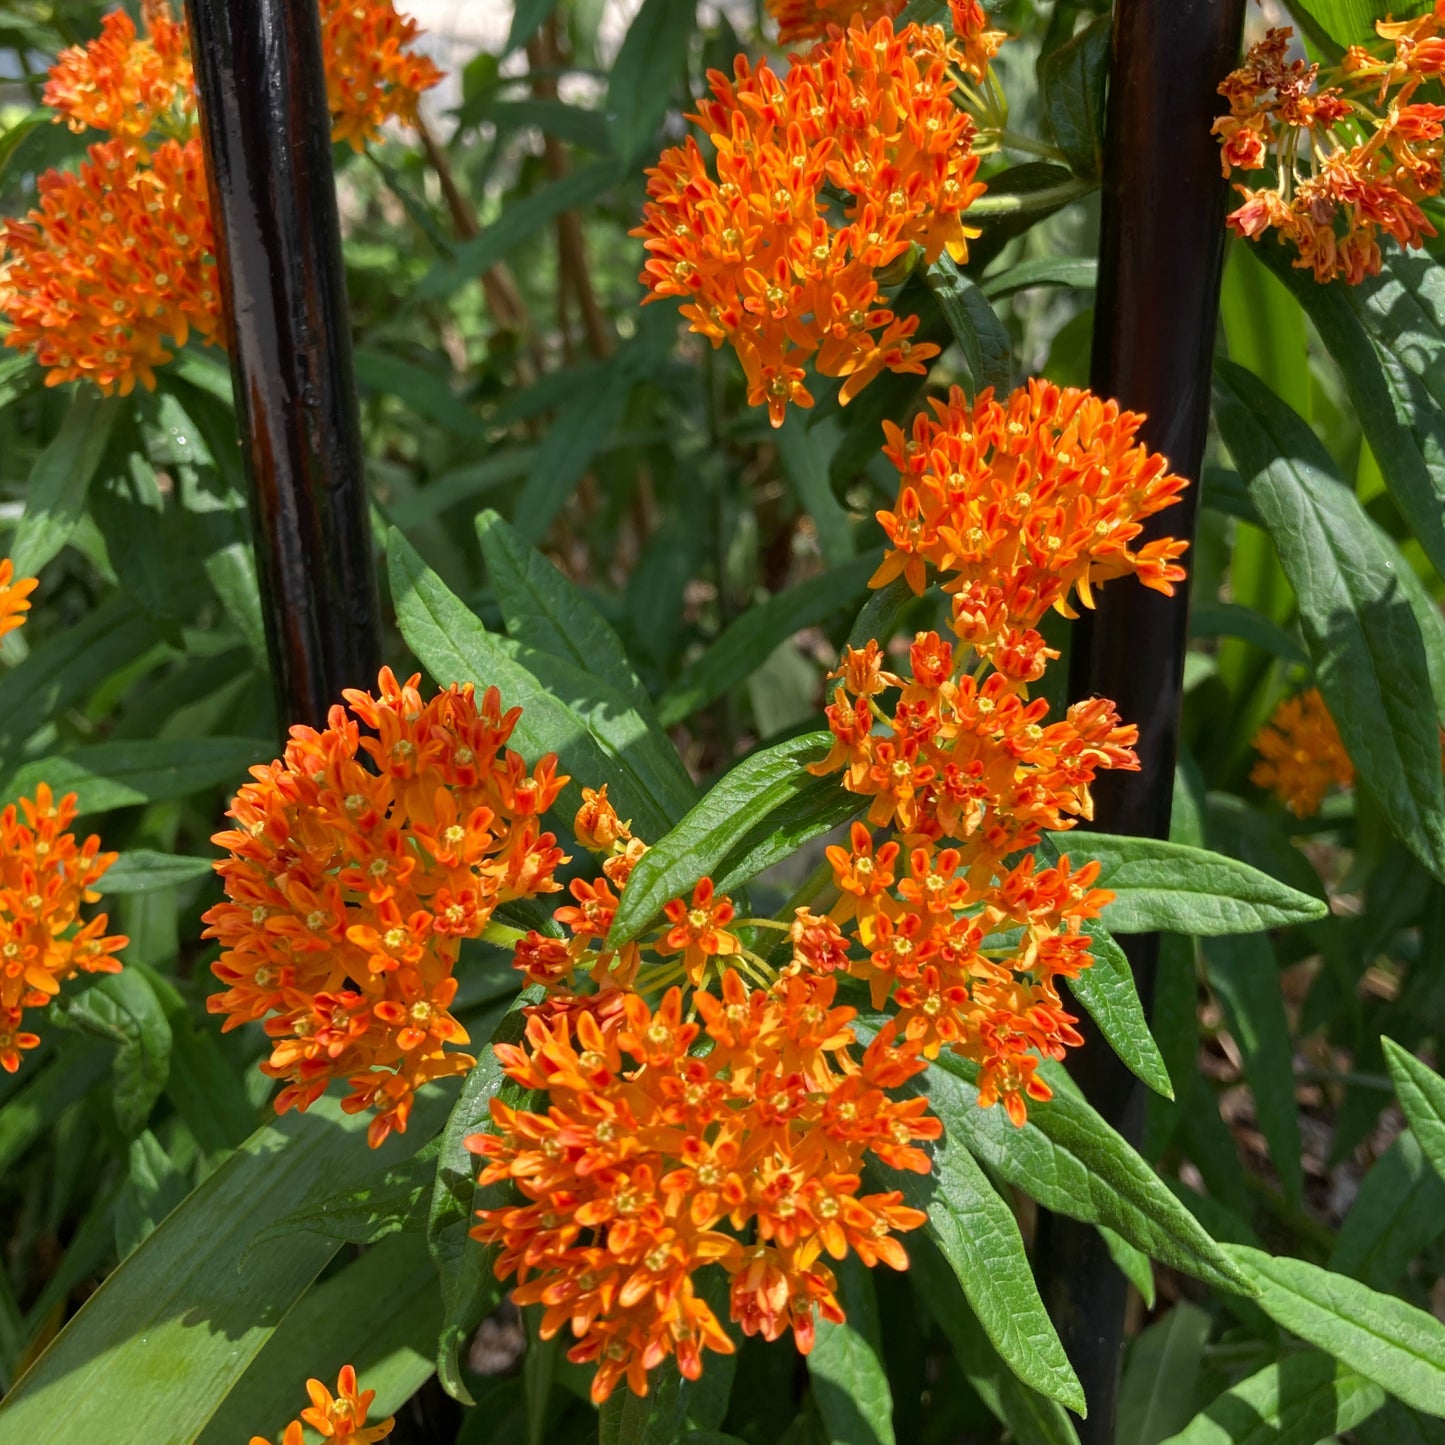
point(1422, 1097)
point(56, 491)
point(544, 610)
point(759, 796)
point(1160, 1375)
point(1399, 1347)
point(1033, 1419)
point(976, 1232)
point(983, 338)
point(653, 54)
point(119, 775)
point(742, 648)
point(143, 870)
point(1073, 79)
point(1299, 1400)
point(850, 1383)
point(1244, 974)
point(1398, 1213)
point(1108, 993)
point(156, 1349)
point(1359, 626)
point(1069, 1160)
point(1173, 888)
point(1082, 275)
point(610, 744)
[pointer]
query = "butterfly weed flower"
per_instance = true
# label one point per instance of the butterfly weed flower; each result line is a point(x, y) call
point(46, 877)
point(1353, 149)
point(373, 73)
point(358, 864)
point(818, 179)
point(971, 48)
point(1301, 755)
point(339, 1418)
point(14, 597)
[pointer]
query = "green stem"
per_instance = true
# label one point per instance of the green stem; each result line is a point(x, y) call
point(1020, 203)
point(1011, 140)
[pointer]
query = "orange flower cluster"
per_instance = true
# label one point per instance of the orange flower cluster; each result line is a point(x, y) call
point(1301, 754)
point(339, 1418)
point(358, 864)
point(971, 49)
point(1021, 504)
point(647, 1149)
point(1354, 153)
point(45, 877)
point(762, 257)
point(117, 265)
point(14, 597)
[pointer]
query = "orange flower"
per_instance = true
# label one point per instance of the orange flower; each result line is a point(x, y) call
point(747, 241)
point(114, 268)
point(1301, 754)
point(1020, 504)
point(14, 597)
point(699, 931)
point(651, 1163)
point(117, 264)
point(45, 877)
point(1354, 155)
point(339, 1418)
point(372, 74)
point(357, 866)
point(971, 49)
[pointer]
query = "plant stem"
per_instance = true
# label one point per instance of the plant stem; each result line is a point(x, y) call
point(1022, 203)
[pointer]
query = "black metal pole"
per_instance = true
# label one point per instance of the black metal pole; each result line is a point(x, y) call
point(1161, 253)
point(267, 130)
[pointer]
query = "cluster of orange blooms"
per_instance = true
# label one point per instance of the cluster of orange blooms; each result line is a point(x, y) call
point(1017, 506)
point(45, 878)
point(1354, 151)
point(357, 866)
point(974, 44)
point(1301, 754)
point(339, 1418)
point(820, 178)
point(117, 266)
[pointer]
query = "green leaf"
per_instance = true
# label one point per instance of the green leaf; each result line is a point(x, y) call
point(748, 798)
point(1160, 1375)
point(1069, 1160)
point(469, 1288)
point(652, 59)
point(43, 1098)
point(544, 610)
point(528, 17)
point(1396, 1424)
point(1072, 81)
point(1300, 1400)
point(521, 219)
point(845, 1366)
point(983, 338)
point(1233, 619)
point(817, 806)
point(1359, 628)
point(56, 491)
point(154, 1351)
point(1018, 199)
point(1081, 275)
point(1398, 1213)
point(1171, 887)
point(395, 1199)
point(743, 646)
point(141, 870)
point(1108, 993)
point(1245, 977)
point(804, 453)
point(155, 1184)
point(461, 485)
point(454, 647)
point(16, 134)
point(119, 775)
point(1400, 1348)
point(1351, 22)
point(1422, 1097)
point(576, 435)
point(336, 1323)
point(1132, 1263)
point(977, 1234)
point(1032, 1418)
point(64, 669)
point(427, 393)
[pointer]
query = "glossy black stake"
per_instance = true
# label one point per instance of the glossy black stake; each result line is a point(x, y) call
point(1161, 251)
point(268, 139)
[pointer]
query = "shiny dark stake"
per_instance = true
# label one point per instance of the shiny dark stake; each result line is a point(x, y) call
point(268, 138)
point(1161, 252)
